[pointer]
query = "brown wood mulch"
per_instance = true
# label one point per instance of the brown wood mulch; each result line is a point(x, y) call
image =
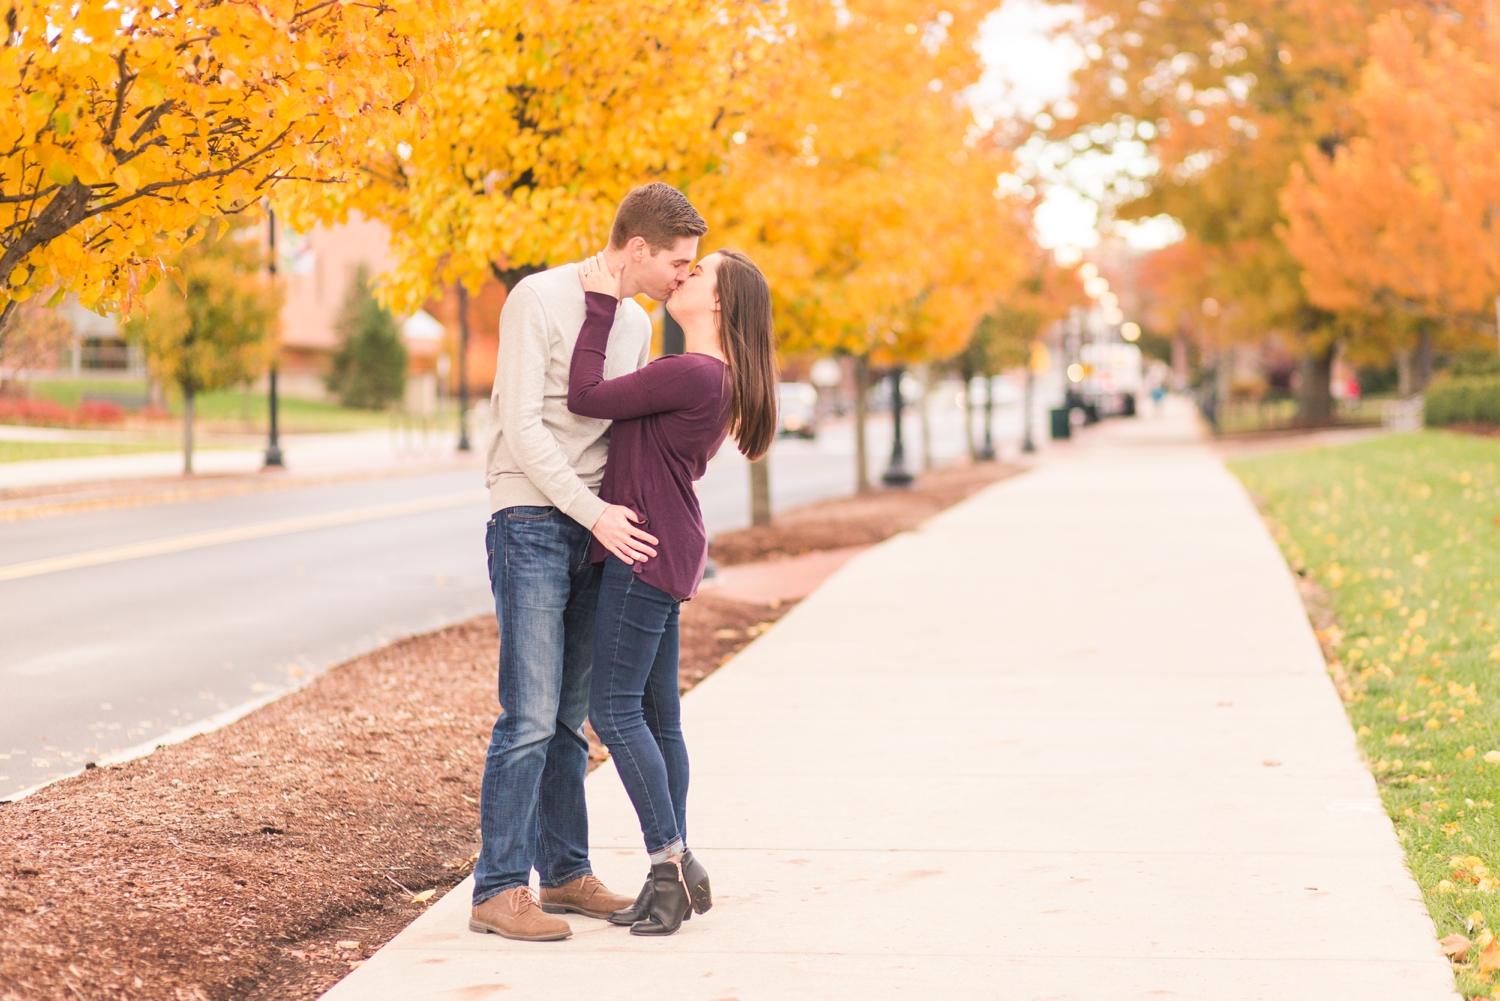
point(858, 521)
point(1475, 428)
point(267, 859)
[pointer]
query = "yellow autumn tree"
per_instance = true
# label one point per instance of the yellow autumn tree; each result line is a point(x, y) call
point(126, 126)
point(860, 183)
point(1403, 215)
point(217, 329)
point(553, 112)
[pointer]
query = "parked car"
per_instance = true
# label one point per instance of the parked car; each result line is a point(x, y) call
point(798, 404)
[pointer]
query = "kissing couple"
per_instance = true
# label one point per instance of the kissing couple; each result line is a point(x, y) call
point(595, 539)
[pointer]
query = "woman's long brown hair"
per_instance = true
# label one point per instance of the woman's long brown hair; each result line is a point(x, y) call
point(748, 341)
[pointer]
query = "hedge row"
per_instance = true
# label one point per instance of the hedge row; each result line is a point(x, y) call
point(1463, 400)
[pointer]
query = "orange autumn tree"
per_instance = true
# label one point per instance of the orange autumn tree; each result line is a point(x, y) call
point(126, 128)
point(1403, 216)
point(1228, 96)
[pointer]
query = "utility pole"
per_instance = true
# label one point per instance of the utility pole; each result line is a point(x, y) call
point(463, 368)
point(273, 443)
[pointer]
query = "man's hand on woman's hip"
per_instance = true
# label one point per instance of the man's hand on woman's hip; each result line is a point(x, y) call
point(617, 531)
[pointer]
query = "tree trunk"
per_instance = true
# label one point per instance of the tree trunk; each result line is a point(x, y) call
point(926, 414)
point(1422, 369)
point(1314, 395)
point(673, 340)
point(1403, 373)
point(760, 492)
point(1179, 364)
point(187, 431)
point(861, 410)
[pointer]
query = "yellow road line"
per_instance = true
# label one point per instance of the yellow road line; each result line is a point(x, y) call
point(240, 533)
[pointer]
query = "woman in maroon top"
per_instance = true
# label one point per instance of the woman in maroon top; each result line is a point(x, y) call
point(669, 420)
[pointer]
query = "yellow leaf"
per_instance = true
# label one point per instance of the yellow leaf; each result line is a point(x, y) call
point(425, 895)
point(59, 172)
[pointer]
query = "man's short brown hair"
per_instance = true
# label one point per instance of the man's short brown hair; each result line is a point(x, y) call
point(659, 214)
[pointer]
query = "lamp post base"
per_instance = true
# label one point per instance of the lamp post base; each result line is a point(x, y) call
point(896, 476)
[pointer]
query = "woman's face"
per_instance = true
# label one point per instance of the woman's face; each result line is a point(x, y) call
point(697, 297)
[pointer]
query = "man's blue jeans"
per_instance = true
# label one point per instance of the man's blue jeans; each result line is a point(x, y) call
point(531, 804)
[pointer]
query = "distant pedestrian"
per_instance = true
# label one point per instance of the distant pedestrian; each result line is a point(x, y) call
point(544, 468)
point(670, 418)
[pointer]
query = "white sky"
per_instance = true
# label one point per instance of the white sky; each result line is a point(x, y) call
point(1028, 73)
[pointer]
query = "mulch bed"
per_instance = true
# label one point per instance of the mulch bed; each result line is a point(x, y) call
point(858, 521)
point(1474, 428)
point(267, 859)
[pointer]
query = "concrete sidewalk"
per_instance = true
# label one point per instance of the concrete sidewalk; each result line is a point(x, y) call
point(1073, 739)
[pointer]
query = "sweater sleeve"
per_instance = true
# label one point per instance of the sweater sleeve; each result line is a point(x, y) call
point(654, 389)
point(522, 376)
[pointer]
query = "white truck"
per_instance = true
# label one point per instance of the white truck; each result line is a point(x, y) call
point(1112, 377)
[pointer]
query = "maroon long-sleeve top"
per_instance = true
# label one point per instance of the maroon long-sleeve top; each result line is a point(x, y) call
point(669, 420)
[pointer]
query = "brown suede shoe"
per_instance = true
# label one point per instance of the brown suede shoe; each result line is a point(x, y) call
point(515, 914)
point(586, 896)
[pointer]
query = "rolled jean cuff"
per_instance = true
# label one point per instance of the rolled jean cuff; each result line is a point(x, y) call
point(660, 855)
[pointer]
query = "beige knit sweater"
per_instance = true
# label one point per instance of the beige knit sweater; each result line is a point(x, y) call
point(539, 453)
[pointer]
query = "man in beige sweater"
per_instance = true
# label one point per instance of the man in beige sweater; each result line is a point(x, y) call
point(544, 470)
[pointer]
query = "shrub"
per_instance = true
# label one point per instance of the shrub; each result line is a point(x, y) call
point(1463, 400)
point(24, 410)
point(100, 412)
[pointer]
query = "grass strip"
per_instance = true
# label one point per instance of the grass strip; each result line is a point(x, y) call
point(1402, 534)
point(27, 451)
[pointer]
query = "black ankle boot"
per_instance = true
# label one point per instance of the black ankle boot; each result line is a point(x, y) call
point(670, 902)
point(636, 911)
point(697, 882)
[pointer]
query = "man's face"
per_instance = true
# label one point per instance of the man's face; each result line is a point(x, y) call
point(658, 275)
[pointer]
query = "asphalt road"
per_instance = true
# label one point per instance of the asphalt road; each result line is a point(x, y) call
point(101, 658)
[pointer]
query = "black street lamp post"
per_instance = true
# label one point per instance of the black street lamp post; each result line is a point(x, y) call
point(463, 369)
point(987, 451)
point(273, 442)
point(896, 474)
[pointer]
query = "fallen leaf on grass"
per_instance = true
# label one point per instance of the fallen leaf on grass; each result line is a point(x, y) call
point(1456, 946)
point(1493, 757)
point(423, 897)
point(1489, 959)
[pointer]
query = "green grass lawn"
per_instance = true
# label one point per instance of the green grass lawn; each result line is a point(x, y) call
point(226, 409)
point(25, 451)
point(1403, 532)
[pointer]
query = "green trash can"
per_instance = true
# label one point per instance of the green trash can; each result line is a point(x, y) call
point(1061, 427)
